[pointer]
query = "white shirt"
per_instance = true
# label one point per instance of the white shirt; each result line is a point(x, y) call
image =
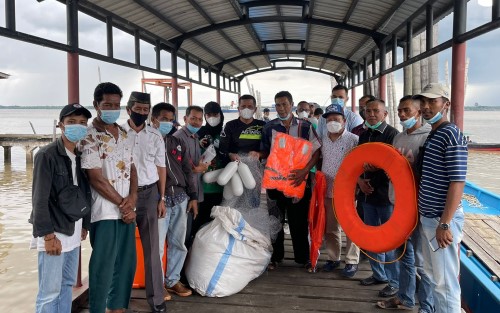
point(68, 243)
point(100, 150)
point(334, 153)
point(149, 152)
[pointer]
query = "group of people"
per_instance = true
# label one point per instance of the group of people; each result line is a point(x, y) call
point(149, 174)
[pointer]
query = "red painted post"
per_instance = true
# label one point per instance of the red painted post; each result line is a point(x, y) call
point(73, 78)
point(175, 93)
point(217, 95)
point(353, 99)
point(458, 51)
point(382, 89)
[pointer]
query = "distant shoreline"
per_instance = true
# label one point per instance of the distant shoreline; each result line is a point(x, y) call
point(17, 107)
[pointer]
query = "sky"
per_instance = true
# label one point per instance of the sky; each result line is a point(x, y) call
point(39, 75)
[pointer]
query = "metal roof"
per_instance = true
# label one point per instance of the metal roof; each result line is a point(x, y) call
point(239, 37)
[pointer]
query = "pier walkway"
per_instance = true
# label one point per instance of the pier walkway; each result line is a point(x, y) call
point(27, 141)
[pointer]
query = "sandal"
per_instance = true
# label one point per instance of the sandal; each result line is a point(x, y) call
point(393, 304)
point(272, 266)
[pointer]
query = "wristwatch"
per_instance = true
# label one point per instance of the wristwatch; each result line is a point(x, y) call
point(444, 226)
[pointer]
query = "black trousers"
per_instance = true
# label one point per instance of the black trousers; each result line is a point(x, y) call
point(297, 214)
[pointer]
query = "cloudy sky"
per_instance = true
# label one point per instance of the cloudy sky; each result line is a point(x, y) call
point(38, 74)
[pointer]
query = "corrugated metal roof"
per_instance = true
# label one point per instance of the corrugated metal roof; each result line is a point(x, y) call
point(239, 36)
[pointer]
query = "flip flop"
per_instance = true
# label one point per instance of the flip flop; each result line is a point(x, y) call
point(392, 304)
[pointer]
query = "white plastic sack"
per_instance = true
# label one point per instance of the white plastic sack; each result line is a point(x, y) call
point(226, 255)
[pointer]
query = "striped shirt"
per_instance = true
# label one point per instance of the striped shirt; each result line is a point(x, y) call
point(444, 161)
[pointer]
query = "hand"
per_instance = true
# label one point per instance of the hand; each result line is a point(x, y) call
point(52, 245)
point(364, 185)
point(201, 168)
point(234, 157)
point(369, 168)
point(193, 206)
point(162, 210)
point(129, 217)
point(84, 234)
point(298, 176)
point(204, 142)
point(444, 237)
point(254, 155)
point(128, 203)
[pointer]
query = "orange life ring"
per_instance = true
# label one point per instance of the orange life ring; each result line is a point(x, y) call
point(398, 228)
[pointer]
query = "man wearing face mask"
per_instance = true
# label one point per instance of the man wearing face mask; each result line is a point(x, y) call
point(358, 130)
point(443, 168)
point(374, 197)
point(188, 134)
point(265, 115)
point(210, 134)
point(297, 212)
point(107, 156)
point(340, 96)
point(409, 143)
point(243, 134)
point(149, 159)
point(303, 110)
point(180, 197)
point(56, 237)
point(336, 145)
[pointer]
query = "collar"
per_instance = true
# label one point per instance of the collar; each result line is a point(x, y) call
point(188, 133)
point(61, 149)
point(99, 128)
point(339, 137)
point(381, 128)
point(127, 128)
point(294, 121)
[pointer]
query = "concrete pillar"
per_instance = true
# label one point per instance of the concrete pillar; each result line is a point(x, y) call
point(7, 154)
point(29, 154)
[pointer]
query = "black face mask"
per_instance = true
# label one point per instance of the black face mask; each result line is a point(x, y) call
point(137, 118)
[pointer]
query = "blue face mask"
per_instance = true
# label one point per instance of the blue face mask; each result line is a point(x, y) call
point(338, 101)
point(193, 129)
point(165, 128)
point(110, 116)
point(409, 123)
point(435, 118)
point(284, 118)
point(75, 132)
point(372, 126)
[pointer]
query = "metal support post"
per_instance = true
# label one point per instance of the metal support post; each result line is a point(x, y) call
point(217, 85)
point(10, 14)
point(458, 52)
point(429, 23)
point(175, 91)
point(109, 35)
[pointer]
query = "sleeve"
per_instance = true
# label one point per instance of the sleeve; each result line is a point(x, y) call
point(456, 159)
point(91, 158)
point(191, 191)
point(43, 172)
point(314, 139)
point(160, 151)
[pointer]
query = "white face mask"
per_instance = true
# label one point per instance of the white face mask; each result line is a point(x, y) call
point(334, 127)
point(303, 114)
point(246, 113)
point(213, 121)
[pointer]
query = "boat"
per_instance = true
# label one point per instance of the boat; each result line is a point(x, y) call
point(479, 255)
point(483, 146)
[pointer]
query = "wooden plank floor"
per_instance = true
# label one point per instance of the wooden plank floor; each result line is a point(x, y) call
point(289, 288)
point(482, 236)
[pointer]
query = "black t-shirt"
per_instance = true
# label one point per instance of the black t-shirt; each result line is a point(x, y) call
point(238, 137)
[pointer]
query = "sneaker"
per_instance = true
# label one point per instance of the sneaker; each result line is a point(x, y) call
point(180, 290)
point(350, 270)
point(388, 291)
point(330, 266)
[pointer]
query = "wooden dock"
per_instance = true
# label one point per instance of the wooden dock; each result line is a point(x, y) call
point(27, 141)
point(290, 288)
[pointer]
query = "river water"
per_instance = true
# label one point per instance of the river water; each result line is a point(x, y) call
point(18, 264)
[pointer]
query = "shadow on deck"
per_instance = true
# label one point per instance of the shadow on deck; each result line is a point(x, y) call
point(289, 288)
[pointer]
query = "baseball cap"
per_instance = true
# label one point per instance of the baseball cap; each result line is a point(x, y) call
point(434, 90)
point(140, 97)
point(333, 109)
point(72, 109)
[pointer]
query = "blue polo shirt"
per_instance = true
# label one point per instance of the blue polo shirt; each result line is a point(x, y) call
point(444, 161)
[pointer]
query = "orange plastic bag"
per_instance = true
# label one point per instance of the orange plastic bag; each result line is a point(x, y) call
point(317, 218)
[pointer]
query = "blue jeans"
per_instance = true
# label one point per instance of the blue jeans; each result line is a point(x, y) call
point(443, 265)
point(410, 264)
point(376, 215)
point(56, 277)
point(173, 226)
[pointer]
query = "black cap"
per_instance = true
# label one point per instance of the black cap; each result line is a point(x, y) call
point(72, 109)
point(212, 107)
point(140, 97)
point(267, 110)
